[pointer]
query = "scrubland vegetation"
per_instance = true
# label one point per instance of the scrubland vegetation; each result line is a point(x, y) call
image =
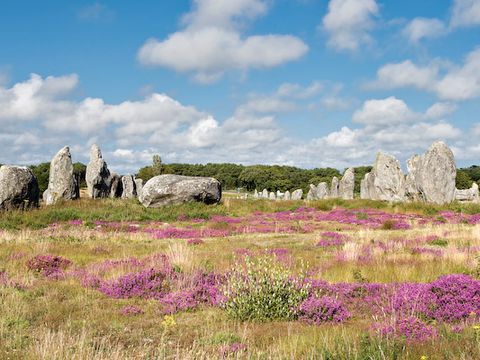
point(333, 279)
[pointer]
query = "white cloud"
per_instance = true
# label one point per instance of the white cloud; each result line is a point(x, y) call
point(212, 42)
point(465, 13)
point(423, 28)
point(440, 110)
point(348, 23)
point(384, 112)
point(454, 83)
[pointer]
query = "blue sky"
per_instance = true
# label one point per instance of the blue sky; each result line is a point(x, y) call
point(309, 83)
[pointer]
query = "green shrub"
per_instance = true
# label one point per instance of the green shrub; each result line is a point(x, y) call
point(263, 290)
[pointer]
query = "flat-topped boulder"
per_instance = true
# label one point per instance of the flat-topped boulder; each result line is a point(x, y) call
point(176, 189)
point(18, 188)
point(97, 175)
point(61, 182)
point(470, 195)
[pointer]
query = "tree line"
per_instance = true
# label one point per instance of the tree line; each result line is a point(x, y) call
point(249, 178)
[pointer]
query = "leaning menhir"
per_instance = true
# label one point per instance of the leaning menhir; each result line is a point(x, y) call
point(97, 176)
point(18, 188)
point(174, 189)
point(61, 182)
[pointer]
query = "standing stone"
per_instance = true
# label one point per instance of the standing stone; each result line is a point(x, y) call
point(388, 179)
point(272, 196)
point(287, 195)
point(413, 191)
point(471, 194)
point(334, 188)
point(18, 188)
point(97, 176)
point(279, 195)
point(312, 193)
point(265, 194)
point(347, 185)
point(129, 189)
point(164, 190)
point(138, 186)
point(438, 174)
point(116, 186)
point(255, 194)
point(367, 187)
point(322, 191)
point(297, 194)
point(61, 182)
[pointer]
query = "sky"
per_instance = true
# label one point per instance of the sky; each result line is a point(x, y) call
point(307, 83)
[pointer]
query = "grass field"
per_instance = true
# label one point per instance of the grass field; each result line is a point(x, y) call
point(331, 279)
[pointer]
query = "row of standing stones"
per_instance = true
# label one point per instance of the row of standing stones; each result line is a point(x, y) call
point(431, 178)
point(19, 188)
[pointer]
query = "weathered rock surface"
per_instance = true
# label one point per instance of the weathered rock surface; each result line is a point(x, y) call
point(138, 186)
point(471, 194)
point(432, 176)
point(97, 176)
point(347, 185)
point(297, 194)
point(174, 189)
point(265, 194)
point(413, 191)
point(312, 193)
point(18, 188)
point(334, 188)
point(287, 195)
point(61, 183)
point(129, 188)
point(116, 186)
point(322, 191)
point(367, 189)
point(272, 196)
point(388, 179)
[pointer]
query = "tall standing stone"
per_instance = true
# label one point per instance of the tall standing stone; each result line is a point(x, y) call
point(272, 196)
point(255, 194)
point(413, 191)
point(347, 184)
point(312, 193)
point(138, 186)
point(61, 182)
point(18, 188)
point(97, 176)
point(367, 186)
point(438, 174)
point(287, 195)
point(265, 194)
point(388, 179)
point(334, 188)
point(322, 191)
point(116, 186)
point(297, 194)
point(129, 188)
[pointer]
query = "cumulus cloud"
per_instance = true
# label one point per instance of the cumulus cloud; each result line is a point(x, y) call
point(423, 28)
point(456, 83)
point(348, 23)
point(465, 13)
point(212, 42)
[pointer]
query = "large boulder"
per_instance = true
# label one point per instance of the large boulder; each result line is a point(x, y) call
point(347, 184)
point(61, 182)
point(18, 188)
point(129, 187)
point(175, 189)
point(388, 179)
point(471, 195)
point(97, 176)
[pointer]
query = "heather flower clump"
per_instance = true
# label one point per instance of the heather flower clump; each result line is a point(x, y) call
point(317, 310)
point(50, 266)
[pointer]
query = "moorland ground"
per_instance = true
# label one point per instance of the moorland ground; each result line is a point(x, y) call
point(333, 279)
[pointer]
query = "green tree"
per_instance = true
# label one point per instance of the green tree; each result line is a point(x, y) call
point(463, 180)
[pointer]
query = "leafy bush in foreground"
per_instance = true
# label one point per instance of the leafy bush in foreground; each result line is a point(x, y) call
point(263, 290)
